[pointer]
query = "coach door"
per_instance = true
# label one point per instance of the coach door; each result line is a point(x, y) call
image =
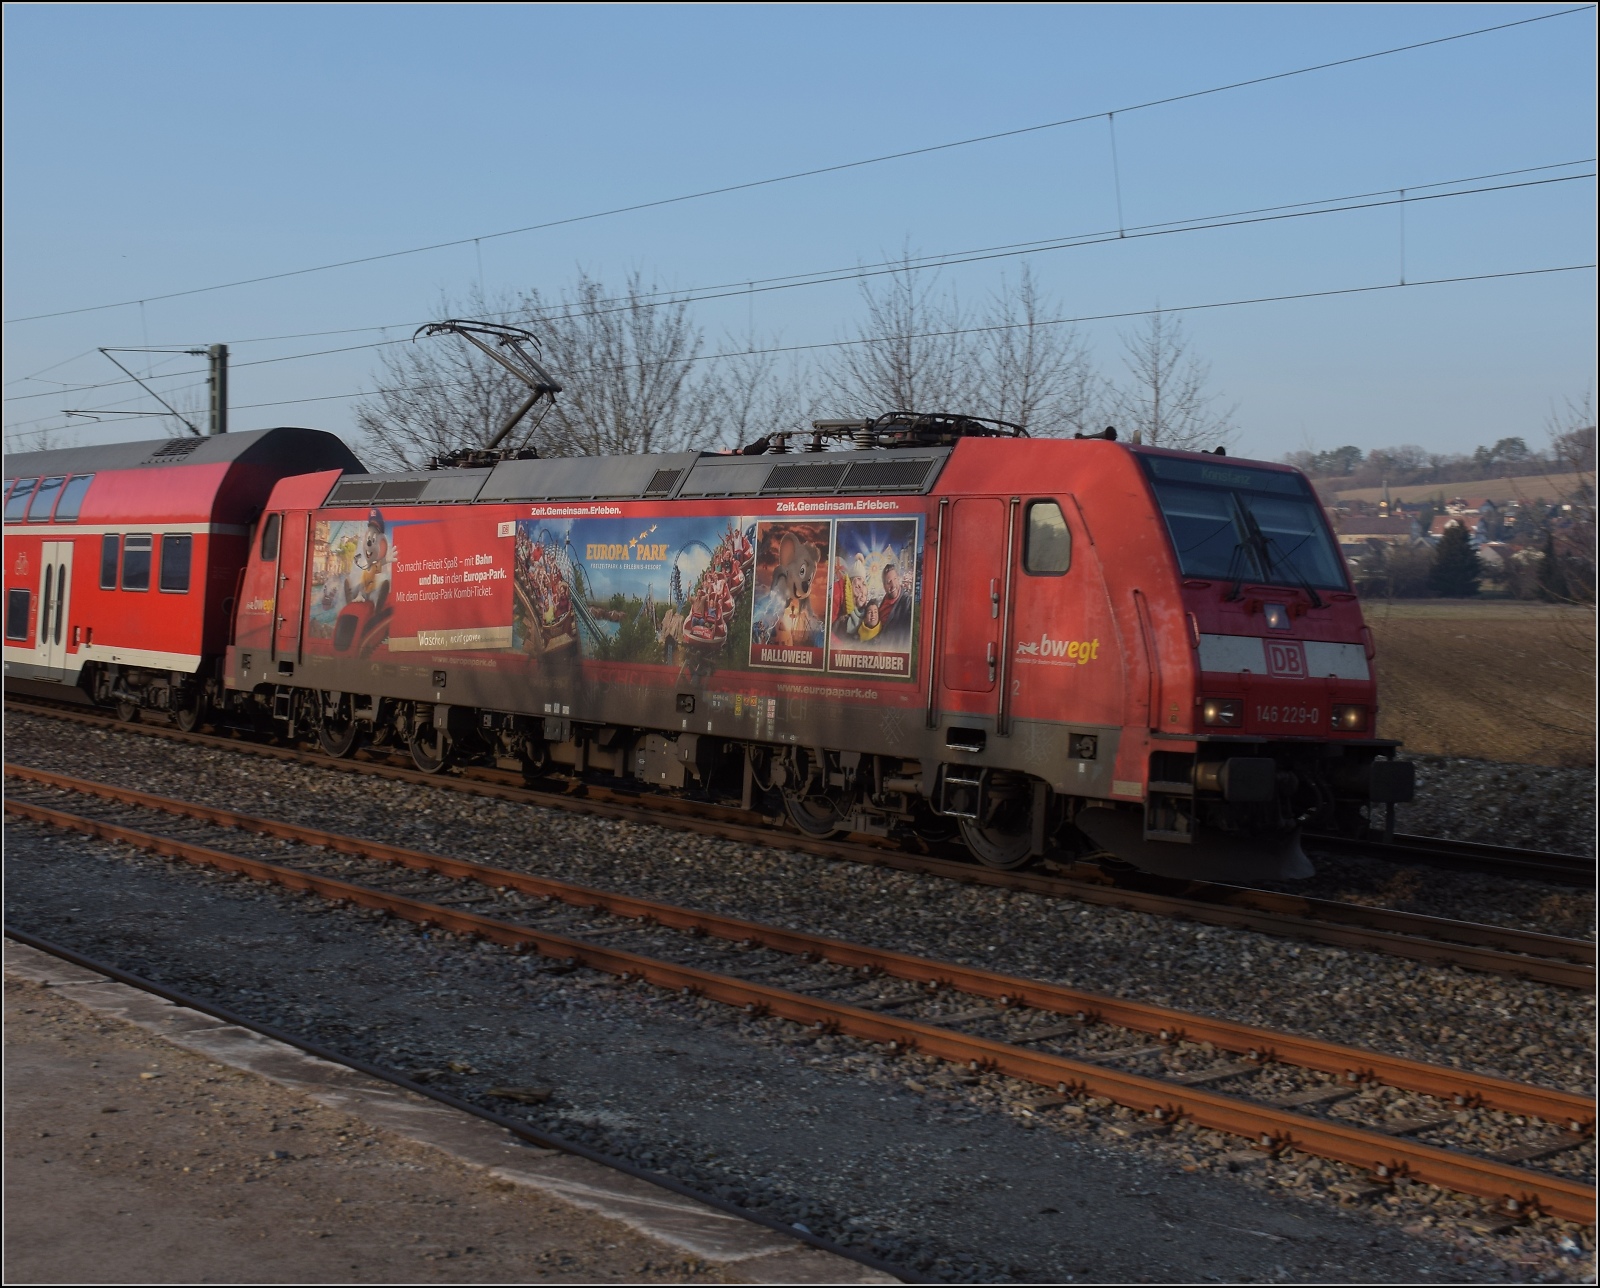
point(291, 589)
point(55, 589)
point(974, 591)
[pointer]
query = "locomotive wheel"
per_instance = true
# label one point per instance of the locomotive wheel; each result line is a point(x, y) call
point(430, 751)
point(128, 711)
point(191, 717)
point(336, 735)
point(813, 815)
point(994, 845)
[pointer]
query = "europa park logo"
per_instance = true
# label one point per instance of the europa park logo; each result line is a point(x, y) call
point(1061, 652)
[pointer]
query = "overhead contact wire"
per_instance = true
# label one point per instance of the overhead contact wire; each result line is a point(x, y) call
point(748, 185)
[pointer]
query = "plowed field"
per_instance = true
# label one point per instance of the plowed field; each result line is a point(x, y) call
point(1492, 680)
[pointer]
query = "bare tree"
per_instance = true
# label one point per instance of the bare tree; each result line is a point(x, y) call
point(1572, 529)
point(1032, 371)
point(1572, 436)
point(907, 354)
point(436, 395)
point(631, 370)
point(628, 363)
point(756, 393)
point(1166, 401)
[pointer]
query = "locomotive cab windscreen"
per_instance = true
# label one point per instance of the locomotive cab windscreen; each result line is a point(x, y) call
point(1235, 523)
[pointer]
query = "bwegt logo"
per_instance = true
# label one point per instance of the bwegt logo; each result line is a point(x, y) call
point(1079, 651)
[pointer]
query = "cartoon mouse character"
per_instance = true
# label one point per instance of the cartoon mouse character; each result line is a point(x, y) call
point(798, 562)
point(365, 619)
point(373, 584)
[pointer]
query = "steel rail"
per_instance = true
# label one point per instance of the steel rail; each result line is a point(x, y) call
point(516, 1127)
point(1354, 1064)
point(1547, 959)
point(1518, 1189)
point(1466, 856)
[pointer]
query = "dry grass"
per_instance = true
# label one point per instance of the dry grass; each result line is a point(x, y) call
point(1493, 680)
point(1525, 487)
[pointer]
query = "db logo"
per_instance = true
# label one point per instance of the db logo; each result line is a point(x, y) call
point(1286, 659)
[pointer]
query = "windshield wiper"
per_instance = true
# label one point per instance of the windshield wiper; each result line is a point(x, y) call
point(1261, 546)
point(1295, 570)
point(1251, 546)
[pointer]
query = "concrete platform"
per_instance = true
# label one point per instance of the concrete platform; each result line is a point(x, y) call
point(146, 1142)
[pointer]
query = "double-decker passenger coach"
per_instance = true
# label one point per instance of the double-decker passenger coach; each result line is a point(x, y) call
point(122, 562)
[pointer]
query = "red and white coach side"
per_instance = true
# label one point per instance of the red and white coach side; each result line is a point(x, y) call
point(122, 561)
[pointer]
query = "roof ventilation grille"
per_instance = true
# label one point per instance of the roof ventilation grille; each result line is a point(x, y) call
point(176, 447)
point(807, 477)
point(400, 490)
point(886, 476)
point(662, 482)
point(356, 491)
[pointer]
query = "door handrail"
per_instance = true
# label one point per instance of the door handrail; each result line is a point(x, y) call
point(933, 634)
point(277, 590)
point(1002, 720)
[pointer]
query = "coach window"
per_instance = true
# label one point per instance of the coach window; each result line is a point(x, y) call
point(17, 604)
point(136, 563)
point(1047, 547)
point(72, 498)
point(175, 554)
point(269, 536)
point(44, 499)
point(110, 549)
point(17, 502)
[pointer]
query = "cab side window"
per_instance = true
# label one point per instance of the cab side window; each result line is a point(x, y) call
point(1047, 541)
point(269, 536)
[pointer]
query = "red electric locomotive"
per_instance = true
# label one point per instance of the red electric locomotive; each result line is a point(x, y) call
point(921, 622)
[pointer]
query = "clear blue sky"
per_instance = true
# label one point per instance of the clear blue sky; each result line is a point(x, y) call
point(155, 149)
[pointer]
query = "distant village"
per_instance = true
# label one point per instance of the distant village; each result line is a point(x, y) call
point(1503, 522)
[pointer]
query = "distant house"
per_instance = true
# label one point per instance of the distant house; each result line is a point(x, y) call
point(1364, 528)
point(1483, 519)
point(1361, 535)
point(1495, 556)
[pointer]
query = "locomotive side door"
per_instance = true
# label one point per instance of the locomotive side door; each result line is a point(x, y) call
point(291, 587)
point(974, 584)
point(55, 589)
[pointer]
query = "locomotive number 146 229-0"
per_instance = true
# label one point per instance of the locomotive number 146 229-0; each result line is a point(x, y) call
point(1288, 715)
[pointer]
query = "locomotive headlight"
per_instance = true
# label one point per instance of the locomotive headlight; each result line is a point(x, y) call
point(1222, 711)
point(1351, 719)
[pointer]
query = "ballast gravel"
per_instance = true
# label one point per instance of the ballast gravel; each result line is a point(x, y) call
point(1537, 807)
point(1512, 1028)
point(882, 1157)
point(945, 1174)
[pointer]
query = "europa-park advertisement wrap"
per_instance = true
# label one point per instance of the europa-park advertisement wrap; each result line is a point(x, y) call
point(574, 583)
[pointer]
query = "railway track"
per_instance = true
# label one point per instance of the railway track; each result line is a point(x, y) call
point(1548, 959)
point(1359, 1107)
